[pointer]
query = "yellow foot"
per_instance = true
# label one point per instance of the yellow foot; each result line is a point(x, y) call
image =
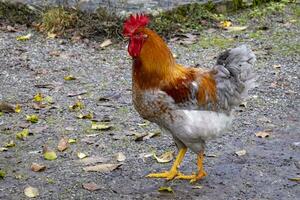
point(169, 175)
point(193, 178)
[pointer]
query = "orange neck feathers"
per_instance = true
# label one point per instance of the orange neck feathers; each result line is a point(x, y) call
point(155, 67)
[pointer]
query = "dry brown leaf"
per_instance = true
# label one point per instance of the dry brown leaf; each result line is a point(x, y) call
point(93, 160)
point(6, 107)
point(102, 168)
point(73, 94)
point(91, 186)
point(165, 157)
point(106, 43)
point(63, 144)
point(37, 167)
point(262, 134)
point(120, 157)
point(241, 152)
point(55, 53)
point(31, 192)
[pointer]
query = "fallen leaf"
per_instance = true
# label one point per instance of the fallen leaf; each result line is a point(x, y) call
point(101, 126)
point(120, 157)
point(106, 43)
point(73, 94)
point(3, 149)
point(24, 37)
point(297, 179)
point(243, 104)
point(77, 106)
point(225, 24)
point(72, 141)
point(31, 192)
point(151, 135)
point(54, 53)
point(146, 123)
point(93, 160)
point(11, 143)
point(236, 28)
point(2, 174)
point(197, 187)
point(38, 106)
point(85, 116)
point(38, 129)
point(262, 134)
point(49, 154)
point(211, 155)
point(6, 107)
point(51, 35)
point(81, 155)
point(11, 29)
point(23, 134)
point(241, 152)
point(188, 38)
point(32, 118)
point(38, 97)
point(63, 144)
point(277, 66)
point(102, 168)
point(69, 78)
point(165, 189)
point(37, 167)
point(91, 186)
point(165, 157)
point(139, 136)
point(18, 108)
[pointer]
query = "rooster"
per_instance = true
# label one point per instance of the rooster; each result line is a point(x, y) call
point(191, 104)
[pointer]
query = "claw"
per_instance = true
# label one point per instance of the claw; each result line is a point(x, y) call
point(169, 175)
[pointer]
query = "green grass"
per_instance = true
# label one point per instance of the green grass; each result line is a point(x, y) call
point(216, 41)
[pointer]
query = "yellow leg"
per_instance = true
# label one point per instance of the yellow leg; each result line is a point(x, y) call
point(169, 175)
point(201, 173)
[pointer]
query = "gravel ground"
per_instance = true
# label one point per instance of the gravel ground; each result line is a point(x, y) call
point(104, 75)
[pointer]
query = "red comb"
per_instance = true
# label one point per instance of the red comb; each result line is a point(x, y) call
point(133, 23)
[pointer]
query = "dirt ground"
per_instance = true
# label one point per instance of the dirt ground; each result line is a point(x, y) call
point(39, 64)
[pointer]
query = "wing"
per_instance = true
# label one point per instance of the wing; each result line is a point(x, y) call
point(195, 90)
point(218, 89)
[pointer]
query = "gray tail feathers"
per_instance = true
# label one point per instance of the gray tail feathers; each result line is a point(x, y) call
point(234, 75)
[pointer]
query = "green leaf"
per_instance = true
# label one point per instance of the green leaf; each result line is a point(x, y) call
point(2, 174)
point(101, 126)
point(77, 106)
point(23, 134)
point(85, 116)
point(11, 143)
point(24, 37)
point(297, 179)
point(49, 154)
point(165, 189)
point(38, 97)
point(69, 78)
point(18, 108)
point(72, 141)
point(32, 118)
